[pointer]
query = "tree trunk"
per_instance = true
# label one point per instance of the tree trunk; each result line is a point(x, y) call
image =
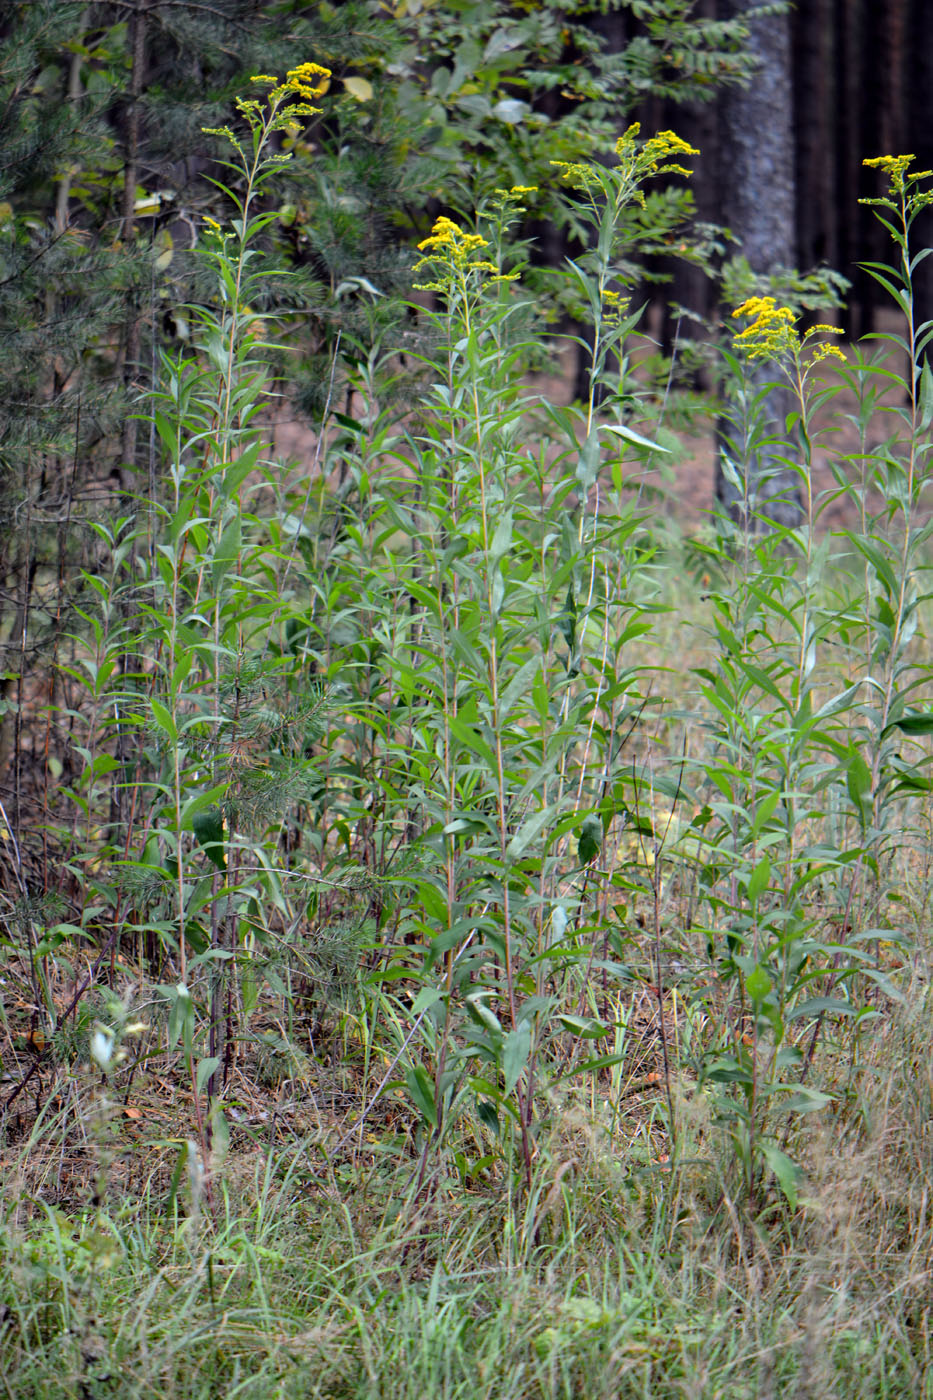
point(816, 102)
point(918, 137)
point(756, 178)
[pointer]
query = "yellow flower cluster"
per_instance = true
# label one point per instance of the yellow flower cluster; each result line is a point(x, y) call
point(894, 166)
point(308, 81)
point(577, 174)
point(449, 239)
point(772, 334)
point(615, 306)
point(824, 350)
point(901, 179)
point(656, 154)
point(451, 246)
point(636, 162)
point(287, 100)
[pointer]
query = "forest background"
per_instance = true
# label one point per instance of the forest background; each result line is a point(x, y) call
point(464, 919)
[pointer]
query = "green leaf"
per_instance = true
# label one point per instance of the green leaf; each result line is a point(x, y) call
point(815, 1005)
point(764, 811)
point(421, 1088)
point(858, 783)
point(164, 720)
point(481, 1013)
point(208, 828)
point(181, 1016)
point(786, 1171)
point(926, 396)
point(515, 1051)
point(427, 997)
point(622, 430)
point(589, 840)
point(910, 724)
point(198, 803)
point(466, 826)
point(467, 735)
point(206, 1068)
point(587, 1066)
point(758, 880)
point(488, 1114)
point(502, 539)
point(807, 1100)
point(758, 984)
point(228, 548)
point(566, 621)
point(586, 1027)
point(589, 460)
point(530, 828)
point(236, 473)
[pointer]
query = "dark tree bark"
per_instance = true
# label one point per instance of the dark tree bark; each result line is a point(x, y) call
point(758, 192)
point(815, 99)
point(691, 287)
point(918, 136)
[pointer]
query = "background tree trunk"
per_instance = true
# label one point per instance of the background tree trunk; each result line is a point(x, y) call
point(758, 191)
point(816, 99)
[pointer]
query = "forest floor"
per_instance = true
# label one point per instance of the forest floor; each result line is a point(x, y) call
point(310, 1264)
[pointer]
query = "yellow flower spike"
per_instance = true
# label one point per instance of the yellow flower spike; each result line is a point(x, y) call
point(655, 156)
point(665, 145)
point(903, 182)
point(445, 232)
point(289, 97)
point(568, 168)
point(763, 306)
point(308, 79)
point(449, 236)
point(825, 351)
point(626, 141)
point(449, 244)
point(895, 167)
point(772, 334)
point(668, 143)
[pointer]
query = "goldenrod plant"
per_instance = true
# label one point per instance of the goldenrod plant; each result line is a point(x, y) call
point(222, 721)
point(486, 935)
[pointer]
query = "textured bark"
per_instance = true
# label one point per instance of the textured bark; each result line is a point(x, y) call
point(918, 137)
point(816, 100)
point(757, 158)
point(849, 48)
point(758, 193)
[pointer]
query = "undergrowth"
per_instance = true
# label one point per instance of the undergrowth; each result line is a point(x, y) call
point(443, 984)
